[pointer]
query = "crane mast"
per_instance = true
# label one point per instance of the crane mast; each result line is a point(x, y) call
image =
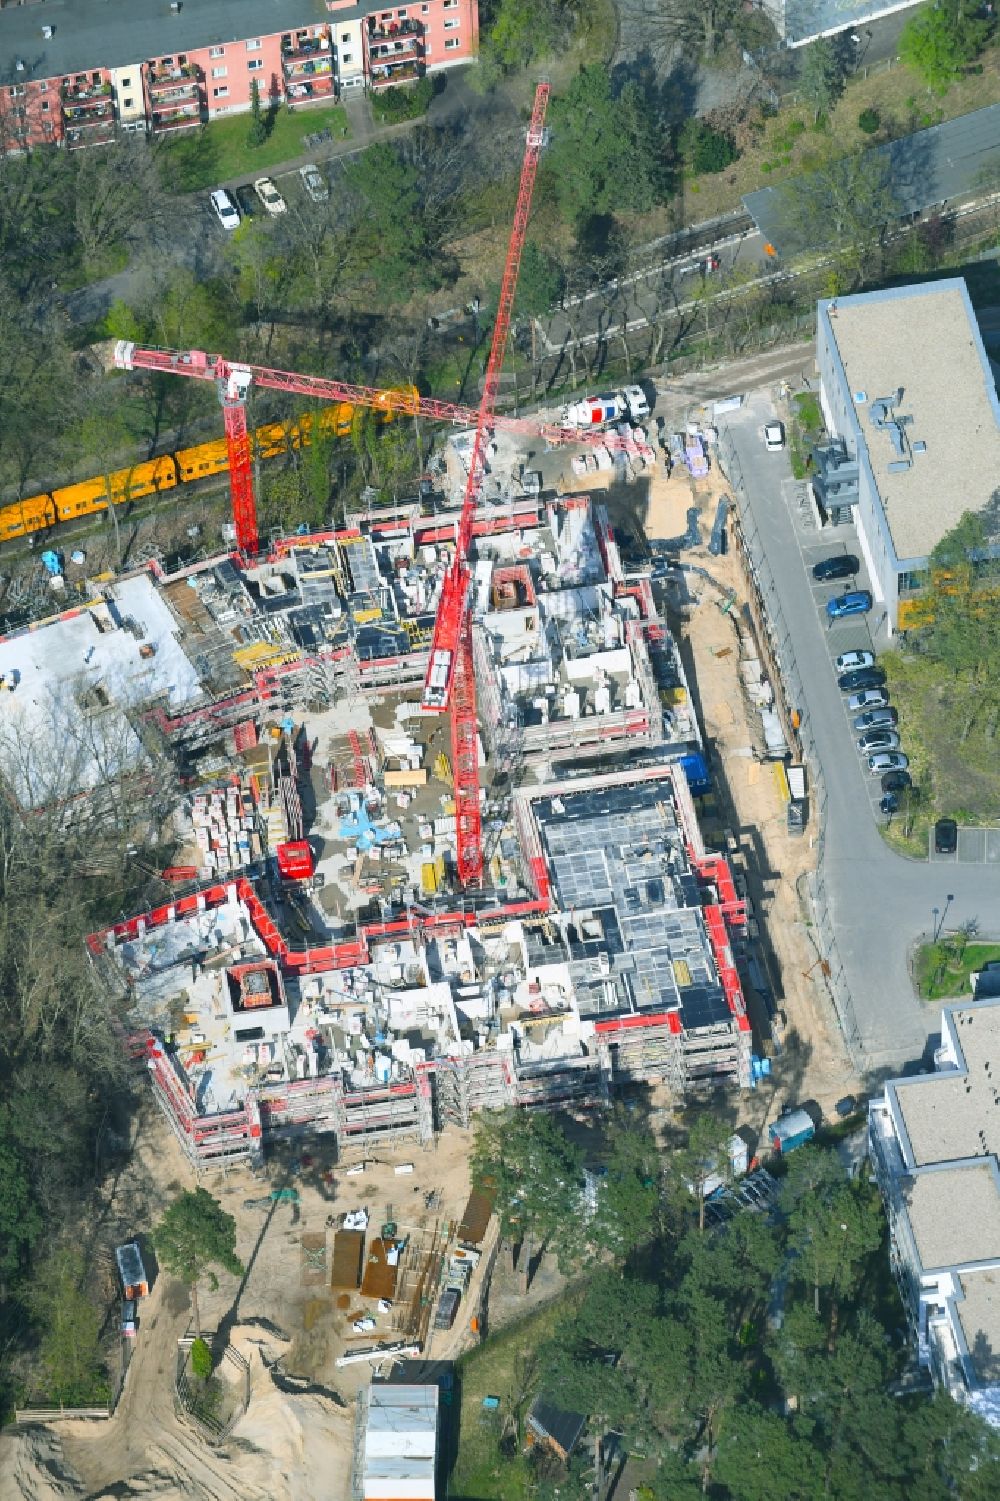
point(450, 681)
point(450, 677)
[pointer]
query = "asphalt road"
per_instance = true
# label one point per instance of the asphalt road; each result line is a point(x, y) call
point(880, 903)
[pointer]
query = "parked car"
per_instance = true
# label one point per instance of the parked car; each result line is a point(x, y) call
point(130, 1317)
point(879, 740)
point(945, 836)
point(844, 567)
point(854, 602)
point(225, 209)
point(887, 761)
point(896, 781)
point(849, 659)
point(312, 181)
point(247, 200)
point(870, 698)
point(877, 718)
point(774, 436)
point(269, 196)
point(860, 677)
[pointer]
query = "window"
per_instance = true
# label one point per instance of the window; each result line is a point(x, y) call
point(45, 107)
point(129, 104)
point(450, 43)
point(425, 10)
point(401, 15)
point(347, 58)
point(450, 5)
point(451, 25)
point(95, 77)
point(168, 62)
point(222, 93)
point(254, 45)
point(220, 72)
point(255, 64)
point(126, 83)
point(216, 51)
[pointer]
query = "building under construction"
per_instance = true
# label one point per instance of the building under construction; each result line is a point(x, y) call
point(323, 969)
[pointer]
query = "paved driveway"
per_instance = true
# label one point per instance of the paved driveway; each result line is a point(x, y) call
point(879, 902)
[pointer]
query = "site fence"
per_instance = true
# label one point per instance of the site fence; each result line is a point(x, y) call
point(760, 581)
point(215, 1421)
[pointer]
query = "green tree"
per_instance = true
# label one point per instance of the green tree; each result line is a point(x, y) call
point(69, 1348)
point(942, 40)
point(848, 206)
point(834, 1226)
point(195, 1235)
point(758, 1458)
point(963, 632)
point(517, 31)
point(536, 1174)
point(821, 80)
point(627, 1197)
point(257, 132)
point(541, 282)
point(704, 1156)
point(391, 245)
point(20, 1216)
point(704, 148)
point(604, 157)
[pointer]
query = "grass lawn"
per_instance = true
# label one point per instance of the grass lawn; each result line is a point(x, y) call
point(953, 758)
point(503, 1367)
point(806, 427)
point(943, 969)
point(219, 151)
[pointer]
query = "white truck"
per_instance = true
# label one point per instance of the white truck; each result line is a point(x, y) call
point(599, 411)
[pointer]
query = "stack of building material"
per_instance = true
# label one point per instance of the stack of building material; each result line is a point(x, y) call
point(225, 830)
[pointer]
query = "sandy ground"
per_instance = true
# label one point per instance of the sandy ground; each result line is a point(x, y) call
point(813, 1065)
point(287, 1447)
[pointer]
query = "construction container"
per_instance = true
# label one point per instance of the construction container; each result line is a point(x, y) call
point(790, 1131)
point(131, 1270)
point(447, 1309)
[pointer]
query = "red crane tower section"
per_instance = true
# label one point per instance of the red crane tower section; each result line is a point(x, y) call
point(450, 677)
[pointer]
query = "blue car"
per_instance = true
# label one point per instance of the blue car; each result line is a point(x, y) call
point(855, 602)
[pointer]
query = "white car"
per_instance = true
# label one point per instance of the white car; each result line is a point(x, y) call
point(269, 196)
point(225, 208)
point(871, 698)
point(774, 436)
point(850, 659)
point(312, 181)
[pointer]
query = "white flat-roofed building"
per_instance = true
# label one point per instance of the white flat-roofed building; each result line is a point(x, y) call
point(400, 1443)
point(935, 1140)
point(909, 399)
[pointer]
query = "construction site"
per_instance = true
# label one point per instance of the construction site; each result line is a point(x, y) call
point(443, 838)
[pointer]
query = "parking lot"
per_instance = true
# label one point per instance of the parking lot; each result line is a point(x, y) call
point(853, 633)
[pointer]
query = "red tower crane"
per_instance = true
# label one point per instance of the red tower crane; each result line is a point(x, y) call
point(234, 378)
point(449, 681)
point(450, 678)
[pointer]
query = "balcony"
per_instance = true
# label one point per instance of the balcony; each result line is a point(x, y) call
point(170, 84)
point(302, 90)
point(92, 131)
point(383, 74)
point(168, 121)
point(89, 112)
point(308, 72)
point(85, 95)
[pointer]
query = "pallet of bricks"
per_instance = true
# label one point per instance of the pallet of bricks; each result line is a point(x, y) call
point(225, 829)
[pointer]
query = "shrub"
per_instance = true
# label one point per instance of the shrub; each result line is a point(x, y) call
point(201, 1360)
point(706, 149)
point(869, 121)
